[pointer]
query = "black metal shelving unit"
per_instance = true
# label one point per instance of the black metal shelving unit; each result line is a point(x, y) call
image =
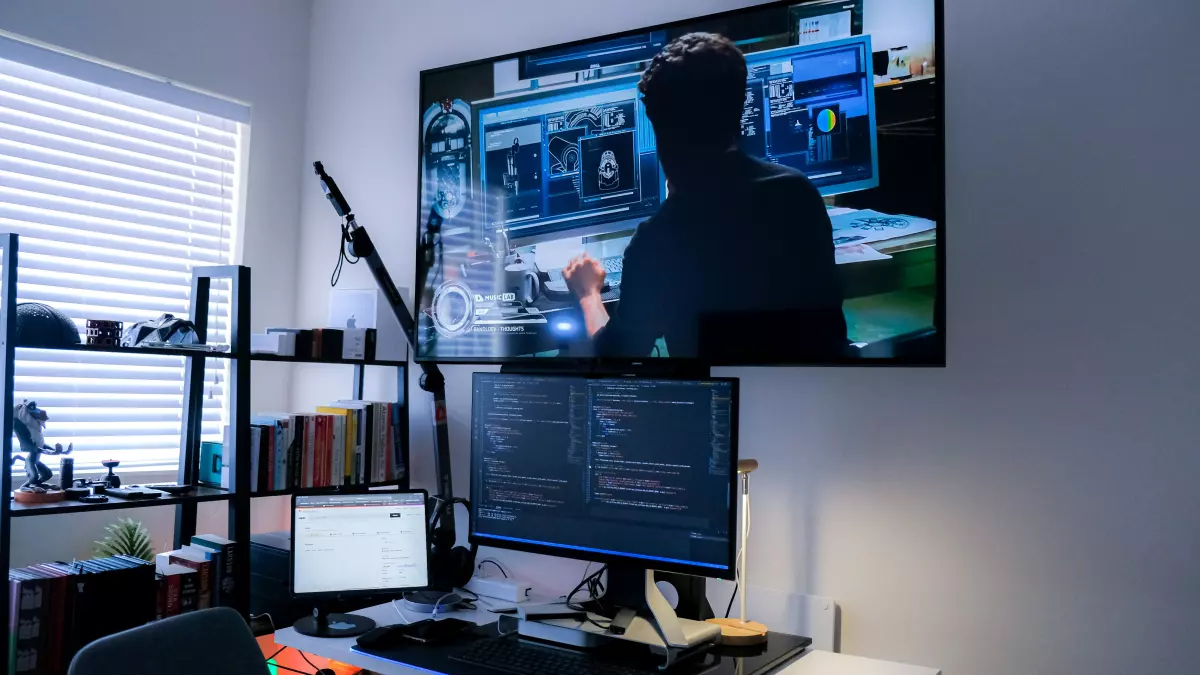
point(239, 496)
point(193, 398)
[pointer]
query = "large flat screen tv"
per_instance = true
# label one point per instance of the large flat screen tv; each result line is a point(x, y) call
point(566, 213)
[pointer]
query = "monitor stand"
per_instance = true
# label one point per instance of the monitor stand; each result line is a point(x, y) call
point(640, 614)
point(325, 625)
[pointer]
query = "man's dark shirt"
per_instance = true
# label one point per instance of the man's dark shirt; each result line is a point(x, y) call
point(736, 267)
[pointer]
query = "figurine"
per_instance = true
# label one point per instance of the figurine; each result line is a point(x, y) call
point(29, 424)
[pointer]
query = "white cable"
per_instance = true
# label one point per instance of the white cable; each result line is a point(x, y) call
point(401, 613)
point(438, 605)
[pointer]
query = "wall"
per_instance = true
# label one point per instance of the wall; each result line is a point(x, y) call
point(256, 52)
point(1032, 508)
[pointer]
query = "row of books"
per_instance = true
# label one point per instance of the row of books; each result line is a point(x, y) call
point(344, 443)
point(55, 609)
point(197, 576)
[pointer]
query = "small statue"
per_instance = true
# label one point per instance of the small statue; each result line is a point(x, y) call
point(29, 424)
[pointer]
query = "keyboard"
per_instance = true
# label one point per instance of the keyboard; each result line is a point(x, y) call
point(508, 655)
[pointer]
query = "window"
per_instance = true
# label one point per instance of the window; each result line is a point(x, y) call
point(118, 184)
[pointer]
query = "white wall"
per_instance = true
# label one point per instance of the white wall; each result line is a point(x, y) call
point(1033, 507)
point(255, 52)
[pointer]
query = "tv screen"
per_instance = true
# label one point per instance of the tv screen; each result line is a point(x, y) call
point(763, 186)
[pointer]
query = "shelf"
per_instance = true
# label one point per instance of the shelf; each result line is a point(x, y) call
point(154, 351)
point(201, 494)
point(334, 362)
point(349, 489)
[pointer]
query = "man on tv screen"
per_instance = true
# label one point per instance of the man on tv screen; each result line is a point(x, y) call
point(738, 264)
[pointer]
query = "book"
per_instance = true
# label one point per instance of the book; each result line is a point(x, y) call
point(346, 443)
point(321, 462)
point(172, 578)
point(61, 606)
point(295, 450)
point(255, 441)
point(29, 617)
point(400, 461)
point(225, 549)
point(266, 457)
point(199, 562)
point(216, 570)
point(362, 431)
point(281, 450)
point(310, 441)
point(382, 421)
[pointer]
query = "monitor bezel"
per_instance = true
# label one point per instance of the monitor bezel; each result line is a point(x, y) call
point(358, 593)
point(617, 559)
point(937, 360)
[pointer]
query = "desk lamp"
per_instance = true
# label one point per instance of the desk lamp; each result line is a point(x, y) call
point(739, 632)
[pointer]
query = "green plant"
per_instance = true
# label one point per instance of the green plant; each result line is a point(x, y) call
point(126, 537)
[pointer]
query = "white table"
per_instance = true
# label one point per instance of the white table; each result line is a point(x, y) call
point(828, 663)
point(810, 663)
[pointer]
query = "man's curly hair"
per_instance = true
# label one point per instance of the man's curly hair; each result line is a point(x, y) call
point(694, 91)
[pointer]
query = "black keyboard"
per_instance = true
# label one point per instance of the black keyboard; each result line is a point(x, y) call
point(509, 655)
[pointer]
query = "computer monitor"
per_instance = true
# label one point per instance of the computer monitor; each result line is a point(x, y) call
point(580, 160)
point(637, 473)
point(533, 159)
point(354, 545)
point(812, 108)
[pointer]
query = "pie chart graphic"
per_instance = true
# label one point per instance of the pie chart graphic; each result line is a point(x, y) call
point(826, 120)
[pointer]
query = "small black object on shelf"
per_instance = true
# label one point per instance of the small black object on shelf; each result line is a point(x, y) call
point(40, 325)
point(112, 480)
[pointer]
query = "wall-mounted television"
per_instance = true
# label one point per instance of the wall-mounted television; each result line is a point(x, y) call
point(815, 237)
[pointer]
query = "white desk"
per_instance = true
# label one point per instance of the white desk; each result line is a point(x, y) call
point(810, 663)
point(828, 663)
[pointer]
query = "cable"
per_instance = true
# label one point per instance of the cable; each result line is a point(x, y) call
point(342, 256)
point(595, 588)
point(305, 657)
point(408, 622)
point(737, 567)
point(316, 670)
point(438, 605)
point(498, 566)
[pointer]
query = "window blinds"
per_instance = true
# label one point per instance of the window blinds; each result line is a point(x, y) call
point(116, 197)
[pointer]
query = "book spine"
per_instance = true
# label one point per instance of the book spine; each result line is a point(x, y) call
point(203, 579)
point(269, 435)
point(381, 423)
point(228, 566)
point(321, 476)
point(189, 592)
point(255, 457)
point(173, 599)
point(281, 449)
point(160, 600)
point(369, 443)
point(310, 440)
point(399, 468)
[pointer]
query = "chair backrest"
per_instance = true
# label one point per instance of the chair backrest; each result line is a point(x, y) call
point(197, 643)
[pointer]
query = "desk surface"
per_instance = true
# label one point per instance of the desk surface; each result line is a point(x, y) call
point(384, 615)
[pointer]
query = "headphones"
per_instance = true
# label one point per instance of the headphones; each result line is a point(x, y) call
point(451, 566)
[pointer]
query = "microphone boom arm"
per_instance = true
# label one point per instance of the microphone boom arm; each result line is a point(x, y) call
point(359, 244)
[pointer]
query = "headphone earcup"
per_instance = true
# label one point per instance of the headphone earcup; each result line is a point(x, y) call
point(463, 565)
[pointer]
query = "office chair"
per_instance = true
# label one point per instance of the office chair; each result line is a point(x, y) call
point(198, 643)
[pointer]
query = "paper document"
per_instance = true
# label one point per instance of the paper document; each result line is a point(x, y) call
point(867, 226)
point(852, 253)
point(552, 255)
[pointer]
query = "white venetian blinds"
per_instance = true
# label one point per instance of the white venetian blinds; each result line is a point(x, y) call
point(116, 196)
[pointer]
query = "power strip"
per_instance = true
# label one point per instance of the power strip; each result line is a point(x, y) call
point(501, 589)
